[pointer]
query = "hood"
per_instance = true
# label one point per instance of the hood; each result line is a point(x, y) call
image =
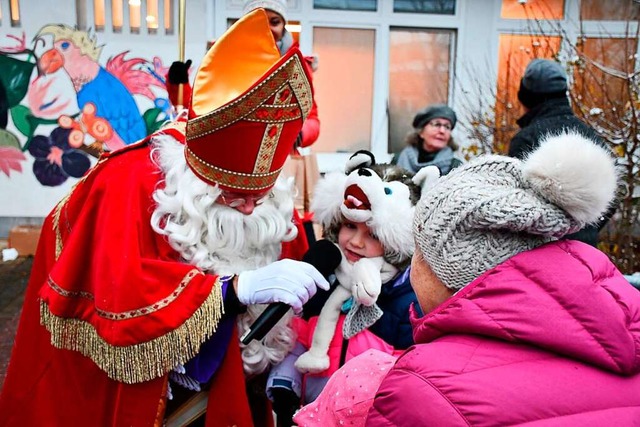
point(565, 297)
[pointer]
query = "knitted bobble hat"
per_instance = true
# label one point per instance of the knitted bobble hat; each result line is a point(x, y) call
point(495, 207)
point(278, 6)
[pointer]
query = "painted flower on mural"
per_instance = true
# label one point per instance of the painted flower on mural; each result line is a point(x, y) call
point(55, 159)
point(11, 156)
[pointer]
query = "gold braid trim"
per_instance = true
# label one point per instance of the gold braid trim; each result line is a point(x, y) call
point(140, 362)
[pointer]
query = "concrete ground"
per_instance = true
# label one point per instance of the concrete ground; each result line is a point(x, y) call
point(14, 276)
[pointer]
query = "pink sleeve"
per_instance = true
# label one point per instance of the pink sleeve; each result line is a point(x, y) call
point(348, 396)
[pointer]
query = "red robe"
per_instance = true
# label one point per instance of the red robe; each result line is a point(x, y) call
point(119, 308)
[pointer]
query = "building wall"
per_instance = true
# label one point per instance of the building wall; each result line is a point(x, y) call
point(32, 182)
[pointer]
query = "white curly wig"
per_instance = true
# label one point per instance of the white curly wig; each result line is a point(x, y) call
point(221, 240)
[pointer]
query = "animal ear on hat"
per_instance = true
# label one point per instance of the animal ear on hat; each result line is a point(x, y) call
point(426, 178)
point(359, 159)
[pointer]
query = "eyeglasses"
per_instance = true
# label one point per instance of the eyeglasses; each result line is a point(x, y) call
point(235, 200)
point(440, 125)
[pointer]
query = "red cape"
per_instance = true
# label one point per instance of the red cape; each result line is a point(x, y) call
point(110, 295)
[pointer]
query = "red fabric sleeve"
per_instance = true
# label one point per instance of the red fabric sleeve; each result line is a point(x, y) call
point(311, 127)
point(114, 271)
point(173, 91)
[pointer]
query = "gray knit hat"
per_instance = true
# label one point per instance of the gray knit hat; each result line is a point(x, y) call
point(436, 111)
point(495, 207)
point(278, 6)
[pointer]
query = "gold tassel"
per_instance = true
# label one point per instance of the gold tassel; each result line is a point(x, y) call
point(140, 362)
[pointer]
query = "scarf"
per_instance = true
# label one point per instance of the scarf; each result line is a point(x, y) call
point(285, 43)
point(442, 160)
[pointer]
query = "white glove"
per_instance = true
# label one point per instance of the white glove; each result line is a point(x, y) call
point(288, 281)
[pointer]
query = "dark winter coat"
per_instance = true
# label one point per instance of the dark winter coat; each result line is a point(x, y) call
point(553, 117)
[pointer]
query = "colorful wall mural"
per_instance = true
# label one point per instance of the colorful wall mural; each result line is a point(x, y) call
point(61, 103)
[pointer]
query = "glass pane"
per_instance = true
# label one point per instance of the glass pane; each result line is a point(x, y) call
point(98, 15)
point(343, 87)
point(152, 16)
point(14, 6)
point(294, 28)
point(604, 90)
point(516, 51)
point(610, 10)
point(527, 9)
point(81, 15)
point(419, 69)
point(117, 15)
point(134, 16)
point(368, 5)
point(443, 7)
point(168, 16)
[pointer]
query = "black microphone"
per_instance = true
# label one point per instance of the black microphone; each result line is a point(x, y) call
point(325, 257)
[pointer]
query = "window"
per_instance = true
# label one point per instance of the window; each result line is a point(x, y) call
point(532, 9)
point(98, 15)
point(168, 17)
point(610, 10)
point(361, 5)
point(133, 15)
point(598, 82)
point(419, 70)
point(343, 87)
point(152, 16)
point(14, 13)
point(117, 15)
point(442, 7)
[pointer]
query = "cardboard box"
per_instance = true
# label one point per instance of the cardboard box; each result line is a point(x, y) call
point(24, 239)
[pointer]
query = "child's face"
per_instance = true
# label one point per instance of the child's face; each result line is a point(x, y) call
point(357, 241)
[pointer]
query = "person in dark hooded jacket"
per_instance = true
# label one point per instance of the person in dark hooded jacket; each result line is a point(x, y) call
point(543, 94)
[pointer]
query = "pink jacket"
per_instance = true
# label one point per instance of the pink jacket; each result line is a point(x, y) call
point(550, 337)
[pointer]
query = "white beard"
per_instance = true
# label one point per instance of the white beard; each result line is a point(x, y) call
point(220, 240)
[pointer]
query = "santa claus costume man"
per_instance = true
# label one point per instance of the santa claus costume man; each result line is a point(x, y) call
point(142, 271)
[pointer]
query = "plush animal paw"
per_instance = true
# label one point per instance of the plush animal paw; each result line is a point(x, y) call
point(367, 283)
point(425, 178)
point(312, 363)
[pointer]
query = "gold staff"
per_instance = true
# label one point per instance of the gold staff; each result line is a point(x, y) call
point(182, 9)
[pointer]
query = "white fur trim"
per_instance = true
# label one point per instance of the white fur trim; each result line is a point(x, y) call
point(426, 178)
point(574, 173)
point(327, 198)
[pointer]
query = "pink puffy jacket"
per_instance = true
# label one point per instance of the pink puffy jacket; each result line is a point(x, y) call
point(550, 337)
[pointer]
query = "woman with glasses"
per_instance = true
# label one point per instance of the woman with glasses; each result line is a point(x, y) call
point(430, 143)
